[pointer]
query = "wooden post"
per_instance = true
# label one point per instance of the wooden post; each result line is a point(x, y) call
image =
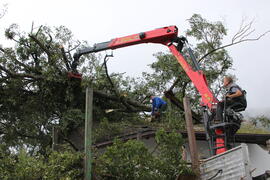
point(191, 137)
point(268, 145)
point(88, 132)
point(54, 138)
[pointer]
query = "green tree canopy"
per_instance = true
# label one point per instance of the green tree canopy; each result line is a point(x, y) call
point(37, 91)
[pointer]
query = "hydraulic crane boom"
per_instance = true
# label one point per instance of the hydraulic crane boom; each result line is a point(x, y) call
point(161, 35)
point(168, 37)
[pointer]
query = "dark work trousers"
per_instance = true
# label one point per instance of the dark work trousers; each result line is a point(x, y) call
point(162, 108)
point(160, 111)
point(220, 109)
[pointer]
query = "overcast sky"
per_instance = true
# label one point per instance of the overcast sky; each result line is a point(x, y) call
point(101, 20)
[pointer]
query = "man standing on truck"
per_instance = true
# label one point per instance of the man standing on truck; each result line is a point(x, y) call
point(158, 106)
point(234, 98)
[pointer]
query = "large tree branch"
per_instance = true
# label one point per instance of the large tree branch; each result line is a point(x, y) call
point(231, 44)
point(135, 104)
point(16, 60)
point(241, 36)
point(19, 75)
point(107, 74)
point(174, 84)
point(1, 49)
point(46, 50)
point(174, 100)
point(75, 62)
point(242, 30)
point(65, 58)
point(75, 47)
point(26, 135)
point(184, 88)
point(122, 99)
point(36, 60)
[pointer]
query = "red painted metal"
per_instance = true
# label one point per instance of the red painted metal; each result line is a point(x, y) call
point(197, 77)
point(74, 75)
point(161, 35)
point(165, 36)
point(220, 144)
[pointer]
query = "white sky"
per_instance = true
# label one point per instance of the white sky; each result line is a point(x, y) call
point(101, 20)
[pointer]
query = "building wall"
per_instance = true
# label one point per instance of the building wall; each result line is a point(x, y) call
point(260, 159)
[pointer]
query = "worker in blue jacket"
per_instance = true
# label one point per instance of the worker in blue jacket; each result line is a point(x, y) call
point(158, 106)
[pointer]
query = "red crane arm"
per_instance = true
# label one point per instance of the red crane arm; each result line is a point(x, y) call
point(161, 35)
point(197, 77)
point(166, 36)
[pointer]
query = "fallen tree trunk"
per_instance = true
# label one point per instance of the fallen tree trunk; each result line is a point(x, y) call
point(174, 100)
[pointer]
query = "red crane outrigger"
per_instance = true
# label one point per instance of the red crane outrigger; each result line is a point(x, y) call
point(168, 36)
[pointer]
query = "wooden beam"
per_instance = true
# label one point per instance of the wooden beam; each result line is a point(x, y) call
point(55, 138)
point(88, 133)
point(191, 137)
point(268, 145)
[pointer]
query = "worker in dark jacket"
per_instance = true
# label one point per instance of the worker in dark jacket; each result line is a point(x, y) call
point(234, 97)
point(158, 106)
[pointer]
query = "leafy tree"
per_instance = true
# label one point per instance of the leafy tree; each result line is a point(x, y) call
point(22, 165)
point(64, 165)
point(35, 90)
point(6, 162)
point(261, 121)
point(209, 49)
point(169, 149)
point(38, 91)
point(208, 36)
point(132, 160)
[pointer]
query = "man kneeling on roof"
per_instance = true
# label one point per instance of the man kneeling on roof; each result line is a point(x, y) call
point(158, 106)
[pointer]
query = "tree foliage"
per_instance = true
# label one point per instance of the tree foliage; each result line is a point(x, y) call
point(261, 121)
point(37, 92)
point(21, 166)
point(132, 160)
point(169, 75)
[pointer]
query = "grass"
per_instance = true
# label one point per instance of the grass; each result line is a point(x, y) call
point(245, 128)
point(248, 128)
